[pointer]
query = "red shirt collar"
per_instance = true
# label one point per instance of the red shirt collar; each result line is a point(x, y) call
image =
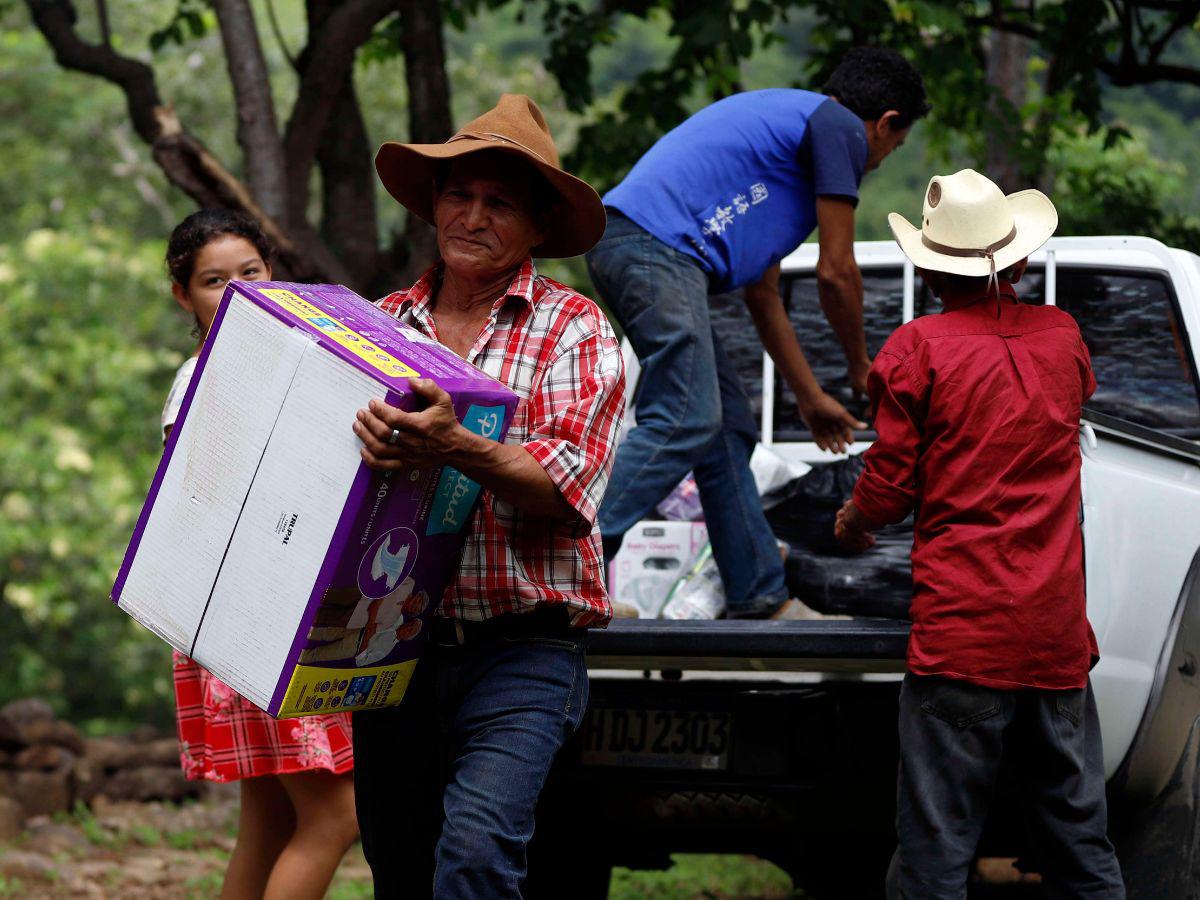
point(419, 297)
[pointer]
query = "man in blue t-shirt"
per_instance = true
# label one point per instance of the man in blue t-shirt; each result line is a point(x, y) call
point(713, 206)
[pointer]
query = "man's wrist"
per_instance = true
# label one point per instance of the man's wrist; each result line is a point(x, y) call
point(466, 450)
point(858, 520)
point(807, 396)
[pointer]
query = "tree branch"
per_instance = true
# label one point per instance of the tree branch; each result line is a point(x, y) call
point(324, 65)
point(257, 132)
point(1127, 74)
point(348, 218)
point(1127, 69)
point(1186, 16)
point(278, 32)
point(429, 122)
point(424, 50)
point(183, 159)
point(105, 28)
point(55, 19)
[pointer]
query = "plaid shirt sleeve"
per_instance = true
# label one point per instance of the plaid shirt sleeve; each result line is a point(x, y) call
point(575, 414)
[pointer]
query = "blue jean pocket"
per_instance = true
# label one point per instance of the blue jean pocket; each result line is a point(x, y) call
point(960, 704)
point(1069, 705)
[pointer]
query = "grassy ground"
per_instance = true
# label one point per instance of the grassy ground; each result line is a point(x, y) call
point(697, 877)
point(163, 852)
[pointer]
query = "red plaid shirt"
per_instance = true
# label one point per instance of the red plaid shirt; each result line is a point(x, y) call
point(556, 351)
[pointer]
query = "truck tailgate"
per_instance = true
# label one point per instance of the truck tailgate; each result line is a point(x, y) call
point(837, 645)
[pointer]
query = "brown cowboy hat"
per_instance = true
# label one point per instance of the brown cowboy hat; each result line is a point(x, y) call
point(515, 125)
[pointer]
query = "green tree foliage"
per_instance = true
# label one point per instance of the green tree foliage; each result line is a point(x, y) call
point(89, 340)
point(1007, 78)
point(1120, 189)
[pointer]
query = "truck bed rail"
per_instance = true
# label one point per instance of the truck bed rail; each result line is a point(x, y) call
point(838, 645)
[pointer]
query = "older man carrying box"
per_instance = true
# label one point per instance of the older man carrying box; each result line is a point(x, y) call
point(447, 782)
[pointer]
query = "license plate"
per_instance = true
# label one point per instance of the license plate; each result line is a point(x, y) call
point(656, 739)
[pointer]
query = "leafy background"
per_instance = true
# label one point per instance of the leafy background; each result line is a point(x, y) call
point(89, 337)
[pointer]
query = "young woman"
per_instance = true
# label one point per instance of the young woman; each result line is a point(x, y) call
point(297, 788)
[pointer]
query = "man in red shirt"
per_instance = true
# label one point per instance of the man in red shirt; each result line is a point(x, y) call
point(977, 412)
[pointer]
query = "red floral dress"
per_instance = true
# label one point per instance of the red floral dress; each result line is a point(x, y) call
point(224, 737)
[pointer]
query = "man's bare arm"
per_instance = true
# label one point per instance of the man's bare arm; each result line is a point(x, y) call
point(839, 284)
point(434, 437)
point(832, 426)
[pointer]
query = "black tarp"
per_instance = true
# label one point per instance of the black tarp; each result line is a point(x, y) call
point(875, 583)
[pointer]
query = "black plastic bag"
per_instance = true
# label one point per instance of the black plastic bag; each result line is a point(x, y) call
point(830, 580)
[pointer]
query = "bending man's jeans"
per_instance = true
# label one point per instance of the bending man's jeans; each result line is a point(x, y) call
point(446, 783)
point(692, 414)
point(953, 735)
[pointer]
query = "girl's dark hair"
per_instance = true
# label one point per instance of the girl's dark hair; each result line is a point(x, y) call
point(871, 80)
point(201, 228)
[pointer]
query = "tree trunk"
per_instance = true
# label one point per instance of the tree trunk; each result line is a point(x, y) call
point(1007, 63)
point(257, 131)
point(349, 223)
point(428, 112)
point(335, 32)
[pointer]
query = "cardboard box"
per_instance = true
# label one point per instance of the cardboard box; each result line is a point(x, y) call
point(266, 550)
point(652, 558)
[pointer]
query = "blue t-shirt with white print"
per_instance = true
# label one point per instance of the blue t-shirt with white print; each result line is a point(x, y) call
point(735, 185)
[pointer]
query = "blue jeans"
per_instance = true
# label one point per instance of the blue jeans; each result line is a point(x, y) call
point(446, 783)
point(692, 414)
point(953, 738)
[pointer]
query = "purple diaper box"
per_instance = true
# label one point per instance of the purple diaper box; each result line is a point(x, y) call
point(266, 550)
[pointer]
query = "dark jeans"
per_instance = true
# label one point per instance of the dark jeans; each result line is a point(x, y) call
point(446, 783)
point(692, 414)
point(953, 736)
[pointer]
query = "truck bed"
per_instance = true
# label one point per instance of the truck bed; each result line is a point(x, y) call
point(838, 645)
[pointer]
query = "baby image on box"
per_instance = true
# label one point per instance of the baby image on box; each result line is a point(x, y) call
point(350, 626)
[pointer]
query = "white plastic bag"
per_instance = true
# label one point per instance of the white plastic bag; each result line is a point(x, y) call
point(772, 471)
point(699, 594)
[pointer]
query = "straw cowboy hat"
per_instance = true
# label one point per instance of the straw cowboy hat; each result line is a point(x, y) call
point(515, 126)
point(968, 226)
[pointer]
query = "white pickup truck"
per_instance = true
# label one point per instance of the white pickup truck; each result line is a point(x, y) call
point(779, 738)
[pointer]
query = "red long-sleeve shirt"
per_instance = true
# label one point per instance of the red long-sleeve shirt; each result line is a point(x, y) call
point(977, 412)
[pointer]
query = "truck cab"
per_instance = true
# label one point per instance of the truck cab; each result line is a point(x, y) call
point(779, 738)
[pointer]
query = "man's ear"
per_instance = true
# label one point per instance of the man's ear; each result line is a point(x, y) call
point(1017, 270)
point(544, 222)
point(888, 121)
point(181, 297)
point(933, 281)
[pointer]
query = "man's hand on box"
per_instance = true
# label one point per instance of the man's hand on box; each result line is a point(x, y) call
point(434, 437)
point(395, 439)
